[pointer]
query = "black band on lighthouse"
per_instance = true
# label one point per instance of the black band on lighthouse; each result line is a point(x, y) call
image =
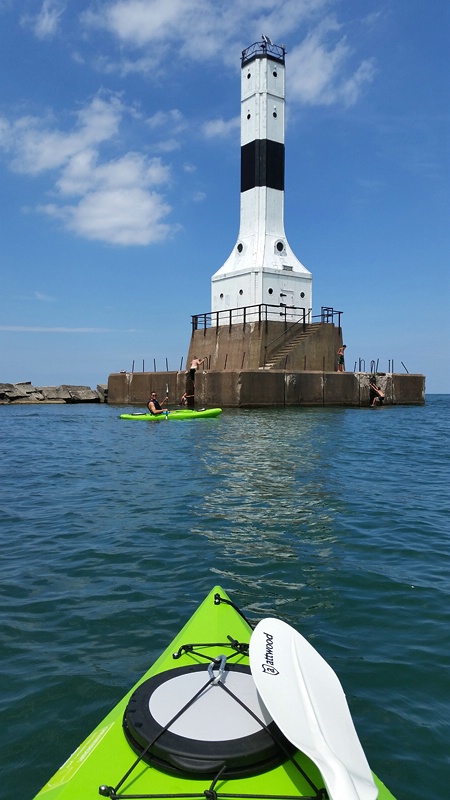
point(262, 164)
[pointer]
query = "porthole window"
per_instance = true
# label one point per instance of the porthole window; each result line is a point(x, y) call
point(275, 73)
point(221, 295)
point(302, 294)
point(249, 116)
point(280, 247)
point(275, 114)
point(240, 247)
point(249, 75)
point(270, 291)
point(241, 291)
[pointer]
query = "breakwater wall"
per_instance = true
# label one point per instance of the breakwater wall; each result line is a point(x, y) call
point(259, 388)
point(23, 393)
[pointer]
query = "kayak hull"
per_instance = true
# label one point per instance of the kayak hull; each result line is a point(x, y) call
point(105, 759)
point(177, 414)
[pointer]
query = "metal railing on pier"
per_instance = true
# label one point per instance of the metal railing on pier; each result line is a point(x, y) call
point(167, 369)
point(376, 368)
point(263, 313)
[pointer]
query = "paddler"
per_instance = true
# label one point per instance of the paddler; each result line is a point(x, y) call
point(154, 406)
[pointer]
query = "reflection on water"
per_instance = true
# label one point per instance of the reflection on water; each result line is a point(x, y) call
point(270, 502)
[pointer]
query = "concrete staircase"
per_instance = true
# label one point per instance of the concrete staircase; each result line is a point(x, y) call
point(278, 357)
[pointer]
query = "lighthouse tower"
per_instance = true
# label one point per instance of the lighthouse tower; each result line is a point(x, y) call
point(262, 268)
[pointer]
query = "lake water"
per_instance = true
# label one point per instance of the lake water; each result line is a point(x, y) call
point(112, 531)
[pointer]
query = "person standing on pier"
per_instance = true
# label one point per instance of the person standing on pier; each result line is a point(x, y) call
point(340, 360)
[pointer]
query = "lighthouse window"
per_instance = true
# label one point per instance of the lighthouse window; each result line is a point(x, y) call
point(249, 75)
point(275, 114)
point(241, 291)
point(270, 291)
point(248, 116)
point(221, 295)
point(240, 247)
point(280, 246)
point(275, 73)
point(302, 294)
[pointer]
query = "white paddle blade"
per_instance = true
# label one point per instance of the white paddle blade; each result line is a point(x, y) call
point(306, 700)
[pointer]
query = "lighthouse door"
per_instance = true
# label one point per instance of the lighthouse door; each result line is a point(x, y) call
point(287, 302)
point(286, 297)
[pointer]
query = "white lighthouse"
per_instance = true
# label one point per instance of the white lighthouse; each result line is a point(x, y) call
point(262, 269)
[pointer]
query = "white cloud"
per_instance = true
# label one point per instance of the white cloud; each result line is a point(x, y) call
point(36, 147)
point(114, 200)
point(167, 145)
point(318, 69)
point(164, 122)
point(173, 118)
point(351, 88)
point(45, 24)
point(119, 215)
point(220, 127)
point(139, 22)
point(44, 298)
point(83, 174)
point(198, 30)
point(161, 34)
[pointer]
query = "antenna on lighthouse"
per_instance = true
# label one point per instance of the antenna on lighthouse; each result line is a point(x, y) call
point(266, 39)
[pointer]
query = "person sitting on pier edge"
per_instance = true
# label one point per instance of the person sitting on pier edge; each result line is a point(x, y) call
point(154, 406)
point(376, 397)
point(340, 355)
point(195, 363)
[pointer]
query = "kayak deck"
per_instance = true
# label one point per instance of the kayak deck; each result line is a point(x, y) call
point(176, 414)
point(106, 760)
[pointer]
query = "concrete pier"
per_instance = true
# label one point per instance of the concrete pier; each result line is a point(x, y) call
point(262, 388)
point(267, 345)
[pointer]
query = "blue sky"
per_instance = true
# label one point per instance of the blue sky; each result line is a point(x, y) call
point(119, 175)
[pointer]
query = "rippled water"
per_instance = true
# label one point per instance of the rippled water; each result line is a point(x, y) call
point(112, 532)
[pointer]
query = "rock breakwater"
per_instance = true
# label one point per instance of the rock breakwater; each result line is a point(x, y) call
point(25, 392)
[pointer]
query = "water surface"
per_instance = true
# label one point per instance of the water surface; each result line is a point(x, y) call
point(112, 531)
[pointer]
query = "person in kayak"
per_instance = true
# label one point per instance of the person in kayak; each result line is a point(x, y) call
point(154, 406)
